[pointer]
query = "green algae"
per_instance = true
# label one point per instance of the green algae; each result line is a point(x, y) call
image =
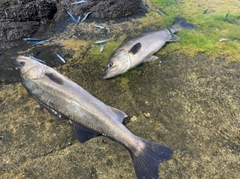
point(108, 48)
point(78, 47)
point(216, 34)
point(124, 83)
point(163, 3)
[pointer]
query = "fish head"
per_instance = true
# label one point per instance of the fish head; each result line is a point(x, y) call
point(29, 68)
point(118, 63)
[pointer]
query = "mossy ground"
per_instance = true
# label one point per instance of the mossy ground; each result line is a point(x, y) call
point(108, 48)
point(217, 33)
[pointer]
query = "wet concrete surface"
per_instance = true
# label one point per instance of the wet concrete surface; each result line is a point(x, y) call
point(189, 104)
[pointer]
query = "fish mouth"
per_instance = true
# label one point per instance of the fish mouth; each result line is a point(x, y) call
point(108, 73)
point(105, 75)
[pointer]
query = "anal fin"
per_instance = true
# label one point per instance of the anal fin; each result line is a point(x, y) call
point(84, 134)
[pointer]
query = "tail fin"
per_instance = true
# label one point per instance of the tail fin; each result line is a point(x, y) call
point(180, 24)
point(146, 163)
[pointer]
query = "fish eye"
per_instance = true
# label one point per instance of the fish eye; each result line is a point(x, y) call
point(21, 63)
point(110, 64)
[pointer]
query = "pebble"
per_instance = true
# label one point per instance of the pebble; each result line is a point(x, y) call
point(147, 114)
point(134, 118)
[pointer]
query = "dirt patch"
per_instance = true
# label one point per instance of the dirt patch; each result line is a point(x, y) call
point(112, 9)
point(23, 18)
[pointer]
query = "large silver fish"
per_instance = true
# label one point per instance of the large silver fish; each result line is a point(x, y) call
point(90, 117)
point(141, 49)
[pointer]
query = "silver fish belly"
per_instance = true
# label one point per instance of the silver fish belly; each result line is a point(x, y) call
point(90, 117)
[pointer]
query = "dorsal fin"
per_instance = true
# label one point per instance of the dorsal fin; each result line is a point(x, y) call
point(135, 48)
point(118, 113)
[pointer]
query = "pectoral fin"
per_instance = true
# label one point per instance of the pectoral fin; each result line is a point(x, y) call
point(152, 58)
point(118, 113)
point(84, 134)
point(174, 38)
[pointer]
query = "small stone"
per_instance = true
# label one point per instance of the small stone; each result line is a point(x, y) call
point(147, 114)
point(134, 118)
point(38, 106)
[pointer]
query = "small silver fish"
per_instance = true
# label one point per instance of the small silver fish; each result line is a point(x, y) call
point(89, 116)
point(41, 42)
point(141, 49)
point(36, 41)
point(105, 30)
point(33, 40)
point(102, 48)
point(85, 17)
point(224, 40)
point(102, 41)
point(71, 16)
point(61, 58)
point(100, 27)
point(78, 2)
point(76, 21)
point(36, 59)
